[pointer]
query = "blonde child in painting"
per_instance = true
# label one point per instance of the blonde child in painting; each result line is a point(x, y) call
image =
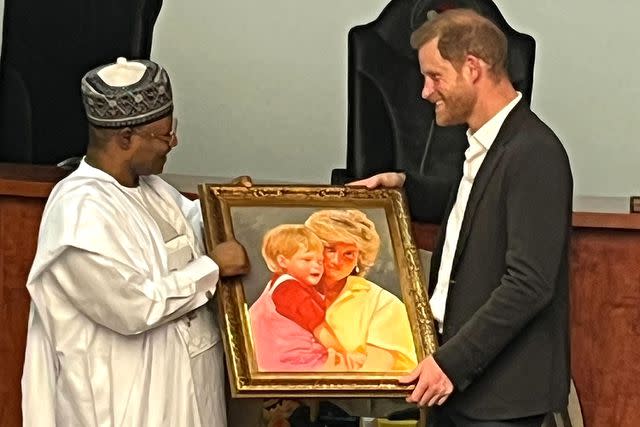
point(288, 320)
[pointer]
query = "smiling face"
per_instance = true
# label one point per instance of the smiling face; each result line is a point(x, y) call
point(305, 265)
point(449, 89)
point(151, 143)
point(340, 259)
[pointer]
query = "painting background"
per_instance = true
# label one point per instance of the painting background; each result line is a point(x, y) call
point(250, 223)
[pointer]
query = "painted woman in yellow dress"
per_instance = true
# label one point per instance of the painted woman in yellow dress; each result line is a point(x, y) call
point(364, 317)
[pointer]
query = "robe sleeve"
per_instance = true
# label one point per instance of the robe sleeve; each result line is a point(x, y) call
point(117, 296)
point(39, 376)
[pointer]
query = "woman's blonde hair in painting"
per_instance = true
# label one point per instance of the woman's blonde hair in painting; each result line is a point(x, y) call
point(348, 226)
point(286, 240)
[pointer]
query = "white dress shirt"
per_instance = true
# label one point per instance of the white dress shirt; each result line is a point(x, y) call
point(479, 144)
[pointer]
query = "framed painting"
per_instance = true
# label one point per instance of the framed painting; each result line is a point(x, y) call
point(335, 303)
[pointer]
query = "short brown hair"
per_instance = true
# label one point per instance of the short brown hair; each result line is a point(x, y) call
point(462, 32)
point(286, 240)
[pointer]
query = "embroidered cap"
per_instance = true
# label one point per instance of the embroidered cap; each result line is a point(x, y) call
point(127, 93)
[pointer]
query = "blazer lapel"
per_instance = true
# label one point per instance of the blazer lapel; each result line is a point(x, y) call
point(479, 185)
point(491, 161)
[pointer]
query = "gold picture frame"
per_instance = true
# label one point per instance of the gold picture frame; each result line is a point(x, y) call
point(246, 213)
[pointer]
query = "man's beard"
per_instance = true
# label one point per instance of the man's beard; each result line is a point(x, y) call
point(457, 107)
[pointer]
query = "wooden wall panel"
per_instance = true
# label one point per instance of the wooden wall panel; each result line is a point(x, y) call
point(605, 325)
point(19, 222)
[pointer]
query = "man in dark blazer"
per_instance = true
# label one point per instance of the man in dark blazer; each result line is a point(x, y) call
point(499, 286)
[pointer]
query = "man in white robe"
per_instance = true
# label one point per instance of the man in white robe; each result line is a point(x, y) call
point(120, 329)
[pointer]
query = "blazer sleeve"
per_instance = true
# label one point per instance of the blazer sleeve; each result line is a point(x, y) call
point(538, 198)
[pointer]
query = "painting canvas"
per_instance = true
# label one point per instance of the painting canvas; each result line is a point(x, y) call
point(335, 301)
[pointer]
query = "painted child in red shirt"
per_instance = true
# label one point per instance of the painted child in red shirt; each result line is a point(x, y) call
point(295, 255)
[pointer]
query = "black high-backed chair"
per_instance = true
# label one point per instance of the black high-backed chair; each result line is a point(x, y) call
point(390, 127)
point(47, 46)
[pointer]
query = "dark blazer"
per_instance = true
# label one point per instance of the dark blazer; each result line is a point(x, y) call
point(505, 341)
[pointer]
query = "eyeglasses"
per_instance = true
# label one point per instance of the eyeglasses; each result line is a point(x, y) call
point(171, 140)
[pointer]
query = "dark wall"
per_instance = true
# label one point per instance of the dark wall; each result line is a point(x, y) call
point(47, 47)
